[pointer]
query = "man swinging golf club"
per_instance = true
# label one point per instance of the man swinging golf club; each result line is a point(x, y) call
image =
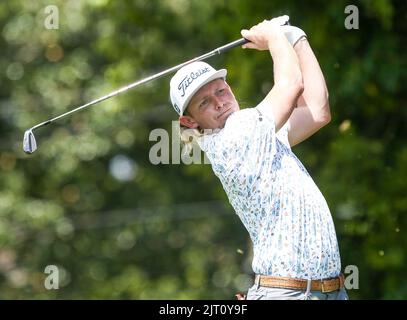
point(295, 250)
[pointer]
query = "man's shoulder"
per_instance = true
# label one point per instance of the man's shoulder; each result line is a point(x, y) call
point(240, 117)
point(244, 112)
point(236, 125)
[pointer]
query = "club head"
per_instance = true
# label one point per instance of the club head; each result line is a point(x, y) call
point(29, 143)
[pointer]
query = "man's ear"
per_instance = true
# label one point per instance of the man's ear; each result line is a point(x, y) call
point(188, 122)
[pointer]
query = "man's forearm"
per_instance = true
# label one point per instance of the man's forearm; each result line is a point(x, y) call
point(286, 63)
point(315, 92)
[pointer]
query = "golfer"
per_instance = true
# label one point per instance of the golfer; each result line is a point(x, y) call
point(295, 249)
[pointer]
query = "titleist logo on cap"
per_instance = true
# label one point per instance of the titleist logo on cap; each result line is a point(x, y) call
point(186, 82)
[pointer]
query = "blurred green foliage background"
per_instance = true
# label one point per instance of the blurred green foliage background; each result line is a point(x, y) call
point(90, 202)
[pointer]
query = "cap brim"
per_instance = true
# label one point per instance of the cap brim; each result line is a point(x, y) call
point(217, 75)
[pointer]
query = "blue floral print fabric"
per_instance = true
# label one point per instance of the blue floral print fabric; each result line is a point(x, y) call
point(283, 210)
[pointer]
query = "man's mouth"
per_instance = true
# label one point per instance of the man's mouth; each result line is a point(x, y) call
point(223, 113)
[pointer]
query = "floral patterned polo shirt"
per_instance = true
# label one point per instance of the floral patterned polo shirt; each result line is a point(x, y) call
point(283, 210)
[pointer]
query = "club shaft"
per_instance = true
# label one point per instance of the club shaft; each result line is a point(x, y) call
point(163, 73)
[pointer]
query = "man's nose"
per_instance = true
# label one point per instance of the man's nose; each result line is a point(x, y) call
point(218, 103)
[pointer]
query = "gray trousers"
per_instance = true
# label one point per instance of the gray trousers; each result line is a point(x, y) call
point(266, 293)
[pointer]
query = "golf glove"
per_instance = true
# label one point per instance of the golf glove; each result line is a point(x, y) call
point(293, 34)
point(281, 20)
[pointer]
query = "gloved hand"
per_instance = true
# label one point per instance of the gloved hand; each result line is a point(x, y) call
point(281, 20)
point(293, 34)
point(259, 34)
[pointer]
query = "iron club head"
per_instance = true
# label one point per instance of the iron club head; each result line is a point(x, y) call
point(29, 143)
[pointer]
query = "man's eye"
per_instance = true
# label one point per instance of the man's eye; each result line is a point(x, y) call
point(203, 103)
point(221, 91)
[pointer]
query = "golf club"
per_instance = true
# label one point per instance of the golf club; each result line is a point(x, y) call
point(29, 142)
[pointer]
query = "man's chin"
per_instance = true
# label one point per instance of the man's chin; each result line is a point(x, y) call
point(225, 118)
point(228, 114)
point(221, 121)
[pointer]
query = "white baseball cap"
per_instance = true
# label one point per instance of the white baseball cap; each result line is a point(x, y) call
point(188, 80)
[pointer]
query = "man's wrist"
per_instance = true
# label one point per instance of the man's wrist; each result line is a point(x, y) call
point(300, 43)
point(293, 34)
point(275, 40)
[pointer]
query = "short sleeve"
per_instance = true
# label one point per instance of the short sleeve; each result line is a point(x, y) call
point(282, 134)
point(243, 147)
